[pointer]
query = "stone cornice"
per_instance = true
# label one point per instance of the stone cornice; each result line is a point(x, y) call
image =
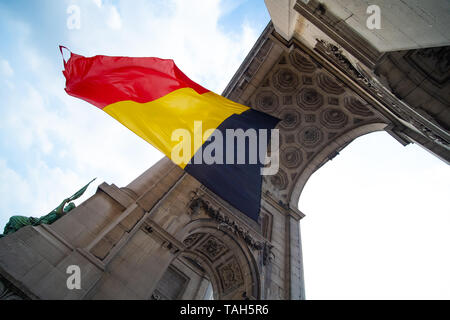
point(372, 87)
point(237, 81)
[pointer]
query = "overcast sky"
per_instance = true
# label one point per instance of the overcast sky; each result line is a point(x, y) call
point(377, 215)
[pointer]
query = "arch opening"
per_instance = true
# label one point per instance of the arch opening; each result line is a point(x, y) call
point(215, 265)
point(328, 153)
point(377, 218)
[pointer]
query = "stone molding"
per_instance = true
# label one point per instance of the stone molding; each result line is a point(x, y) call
point(167, 240)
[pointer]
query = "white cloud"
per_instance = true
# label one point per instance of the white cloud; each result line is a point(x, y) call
point(5, 68)
point(114, 21)
point(98, 3)
point(186, 31)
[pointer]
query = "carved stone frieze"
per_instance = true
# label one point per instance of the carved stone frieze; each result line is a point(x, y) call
point(427, 128)
point(198, 205)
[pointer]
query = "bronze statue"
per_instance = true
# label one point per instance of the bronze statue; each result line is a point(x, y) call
point(17, 222)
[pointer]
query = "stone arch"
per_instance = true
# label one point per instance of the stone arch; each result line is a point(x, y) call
point(324, 155)
point(230, 265)
point(319, 116)
point(208, 269)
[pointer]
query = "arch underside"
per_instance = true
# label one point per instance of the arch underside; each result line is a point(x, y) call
point(227, 261)
point(319, 114)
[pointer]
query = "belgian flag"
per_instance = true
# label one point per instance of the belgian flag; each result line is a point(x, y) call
point(153, 98)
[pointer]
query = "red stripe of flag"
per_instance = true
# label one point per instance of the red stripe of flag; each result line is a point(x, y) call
point(103, 80)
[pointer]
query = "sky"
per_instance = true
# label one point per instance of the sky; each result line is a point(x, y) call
point(382, 231)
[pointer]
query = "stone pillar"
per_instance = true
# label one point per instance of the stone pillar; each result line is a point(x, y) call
point(297, 285)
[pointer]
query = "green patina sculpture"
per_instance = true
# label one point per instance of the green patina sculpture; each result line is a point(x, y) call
point(17, 222)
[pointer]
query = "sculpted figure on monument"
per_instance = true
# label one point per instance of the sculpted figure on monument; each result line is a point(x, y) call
point(17, 222)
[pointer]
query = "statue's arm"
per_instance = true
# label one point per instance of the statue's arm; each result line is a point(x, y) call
point(60, 208)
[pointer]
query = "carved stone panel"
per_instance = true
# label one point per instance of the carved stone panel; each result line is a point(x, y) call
point(329, 85)
point(310, 136)
point(192, 239)
point(291, 156)
point(357, 107)
point(301, 62)
point(212, 248)
point(333, 118)
point(267, 101)
point(309, 99)
point(285, 80)
point(290, 119)
point(230, 275)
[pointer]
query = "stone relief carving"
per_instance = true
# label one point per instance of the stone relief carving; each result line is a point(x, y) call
point(329, 85)
point(309, 99)
point(310, 136)
point(192, 239)
point(302, 63)
point(333, 118)
point(267, 255)
point(212, 248)
point(357, 107)
point(285, 80)
point(230, 275)
point(291, 119)
point(165, 242)
point(267, 101)
point(291, 156)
